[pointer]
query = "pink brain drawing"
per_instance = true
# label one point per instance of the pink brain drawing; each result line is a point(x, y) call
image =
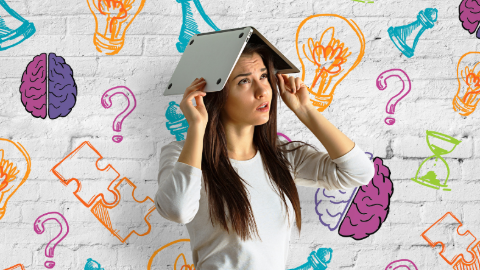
point(370, 206)
point(469, 15)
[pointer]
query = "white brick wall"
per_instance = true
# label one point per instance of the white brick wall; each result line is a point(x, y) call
point(145, 65)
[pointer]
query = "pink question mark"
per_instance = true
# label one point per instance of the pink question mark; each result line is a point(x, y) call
point(107, 103)
point(401, 265)
point(382, 85)
point(39, 228)
point(283, 135)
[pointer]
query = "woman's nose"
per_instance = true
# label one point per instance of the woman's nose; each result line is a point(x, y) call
point(261, 89)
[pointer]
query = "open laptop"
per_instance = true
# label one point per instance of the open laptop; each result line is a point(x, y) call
point(213, 56)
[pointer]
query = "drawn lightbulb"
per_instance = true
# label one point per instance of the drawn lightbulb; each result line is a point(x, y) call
point(12, 174)
point(329, 58)
point(468, 76)
point(112, 19)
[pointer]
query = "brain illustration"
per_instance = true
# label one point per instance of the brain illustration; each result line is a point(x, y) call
point(61, 87)
point(34, 87)
point(62, 93)
point(331, 214)
point(370, 206)
point(469, 15)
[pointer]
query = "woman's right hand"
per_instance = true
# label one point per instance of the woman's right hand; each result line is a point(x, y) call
point(195, 115)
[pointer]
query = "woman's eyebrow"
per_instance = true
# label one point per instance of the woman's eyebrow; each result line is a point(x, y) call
point(246, 74)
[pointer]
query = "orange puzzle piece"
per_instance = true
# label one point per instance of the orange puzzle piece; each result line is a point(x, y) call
point(92, 181)
point(455, 246)
point(117, 218)
point(119, 213)
point(475, 265)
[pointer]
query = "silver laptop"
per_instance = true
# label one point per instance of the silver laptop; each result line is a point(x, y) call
point(213, 56)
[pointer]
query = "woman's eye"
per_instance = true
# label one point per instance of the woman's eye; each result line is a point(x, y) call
point(266, 76)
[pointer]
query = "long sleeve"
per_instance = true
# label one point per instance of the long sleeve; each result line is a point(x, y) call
point(317, 169)
point(179, 185)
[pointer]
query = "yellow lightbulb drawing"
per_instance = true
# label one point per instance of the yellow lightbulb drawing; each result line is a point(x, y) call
point(331, 56)
point(468, 76)
point(112, 19)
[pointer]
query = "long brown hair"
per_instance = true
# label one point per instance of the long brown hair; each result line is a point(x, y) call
point(225, 188)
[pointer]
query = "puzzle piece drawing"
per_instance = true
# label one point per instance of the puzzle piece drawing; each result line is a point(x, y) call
point(92, 182)
point(455, 246)
point(110, 199)
point(475, 265)
point(117, 218)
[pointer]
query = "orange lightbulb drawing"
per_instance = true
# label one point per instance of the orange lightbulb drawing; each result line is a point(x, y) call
point(112, 19)
point(331, 57)
point(11, 178)
point(468, 76)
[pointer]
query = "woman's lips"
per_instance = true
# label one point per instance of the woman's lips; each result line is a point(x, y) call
point(265, 109)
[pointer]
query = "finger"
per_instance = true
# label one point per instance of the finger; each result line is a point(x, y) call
point(281, 83)
point(292, 84)
point(286, 80)
point(298, 83)
point(199, 101)
point(194, 82)
point(193, 95)
point(193, 87)
point(197, 85)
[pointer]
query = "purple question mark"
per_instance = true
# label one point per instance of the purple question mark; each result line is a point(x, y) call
point(382, 85)
point(107, 103)
point(39, 228)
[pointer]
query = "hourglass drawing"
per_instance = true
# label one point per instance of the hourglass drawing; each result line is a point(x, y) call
point(433, 174)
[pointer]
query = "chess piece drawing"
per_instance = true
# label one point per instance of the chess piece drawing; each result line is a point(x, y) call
point(177, 123)
point(189, 25)
point(402, 35)
point(15, 30)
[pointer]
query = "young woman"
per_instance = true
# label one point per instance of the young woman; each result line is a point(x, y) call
point(233, 180)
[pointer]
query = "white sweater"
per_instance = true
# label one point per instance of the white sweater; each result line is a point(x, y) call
point(181, 198)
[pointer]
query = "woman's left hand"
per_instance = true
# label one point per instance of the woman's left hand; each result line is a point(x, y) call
point(294, 92)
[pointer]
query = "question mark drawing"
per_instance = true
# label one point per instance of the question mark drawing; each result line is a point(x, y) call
point(107, 103)
point(382, 85)
point(285, 136)
point(401, 265)
point(39, 228)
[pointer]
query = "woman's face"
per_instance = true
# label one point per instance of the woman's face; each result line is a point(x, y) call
point(249, 89)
